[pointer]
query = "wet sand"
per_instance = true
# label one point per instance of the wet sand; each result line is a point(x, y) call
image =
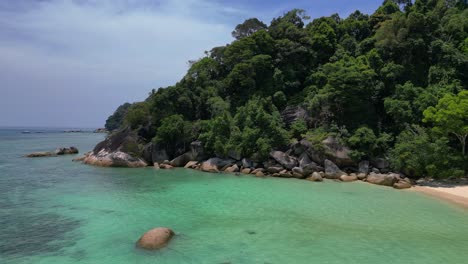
point(455, 194)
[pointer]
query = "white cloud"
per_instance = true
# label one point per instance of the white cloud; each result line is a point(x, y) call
point(101, 52)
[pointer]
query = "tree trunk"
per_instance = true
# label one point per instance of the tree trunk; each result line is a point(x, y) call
point(463, 145)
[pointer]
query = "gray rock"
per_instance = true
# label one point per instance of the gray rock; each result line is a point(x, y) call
point(316, 177)
point(383, 179)
point(234, 154)
point(298, 172)
point(197, 151)
point(181, 160)
point(329, 149)
point(246, 163)
point(215, 164)
point(159, 154)
point(332, 171)
point(364, 167)
point(294, 113)
point(381, 163)
point(274, 169)
point(285, 160)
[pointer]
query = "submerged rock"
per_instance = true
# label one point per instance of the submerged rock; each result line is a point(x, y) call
point(57, 152)
point(65, 151)
point(40, 154)
point(155, 238)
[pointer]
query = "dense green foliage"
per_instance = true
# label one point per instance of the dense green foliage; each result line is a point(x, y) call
point(116, 119)
point(393, 84)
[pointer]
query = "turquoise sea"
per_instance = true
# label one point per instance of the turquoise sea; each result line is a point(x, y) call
point(53, 210)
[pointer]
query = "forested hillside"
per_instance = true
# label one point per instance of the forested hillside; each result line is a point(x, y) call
point(389, 85)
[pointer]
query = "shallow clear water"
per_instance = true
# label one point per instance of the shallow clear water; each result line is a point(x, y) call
point(53, 210)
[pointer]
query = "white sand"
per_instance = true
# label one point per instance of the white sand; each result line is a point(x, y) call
point(456, 194)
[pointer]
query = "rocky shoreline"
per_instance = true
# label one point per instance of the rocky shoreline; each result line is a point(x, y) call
point(302, 160)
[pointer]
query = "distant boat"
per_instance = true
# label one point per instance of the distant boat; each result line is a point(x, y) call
point(26, 132)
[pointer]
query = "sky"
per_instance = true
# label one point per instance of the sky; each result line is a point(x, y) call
point(71, 63)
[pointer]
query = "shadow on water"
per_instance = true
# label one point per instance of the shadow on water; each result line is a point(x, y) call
point(26, 234)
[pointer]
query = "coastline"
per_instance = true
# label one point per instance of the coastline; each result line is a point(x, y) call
point(454, 194)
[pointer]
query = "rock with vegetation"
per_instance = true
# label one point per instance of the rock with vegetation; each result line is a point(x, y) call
point(284, 159)
point(389, 84)
point(123, 148)
point(156, 238)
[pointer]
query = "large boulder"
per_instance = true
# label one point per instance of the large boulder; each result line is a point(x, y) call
point(381, 163)
point(233, 168)
point(158, 153)
point(316, 177)
point(197, 151)
point(348, 178)
point(284, 159)
point(181, 160)
point(307, 165)
point(191, 164)
point(332, 171)
point(363, 167)
point(114, 159)
point(402, 184)
point(215, 164)
point(383, 179)
point(234, 154)
point(329, 149)
point(124, 148)
point(246, 163)
point(274, 169)
point(294, 113)
point(155, 238)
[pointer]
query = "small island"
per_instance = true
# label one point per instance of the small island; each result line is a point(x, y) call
point(374, 98)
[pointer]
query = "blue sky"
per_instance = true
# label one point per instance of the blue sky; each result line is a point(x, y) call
point(70, 63)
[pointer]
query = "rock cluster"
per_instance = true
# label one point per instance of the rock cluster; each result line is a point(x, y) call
point(302, 160)
point(57, 152)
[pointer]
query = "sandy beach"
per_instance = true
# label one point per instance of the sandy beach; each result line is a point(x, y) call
point(456, 194)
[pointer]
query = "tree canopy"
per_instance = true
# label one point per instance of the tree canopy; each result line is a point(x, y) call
point(398, 74)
